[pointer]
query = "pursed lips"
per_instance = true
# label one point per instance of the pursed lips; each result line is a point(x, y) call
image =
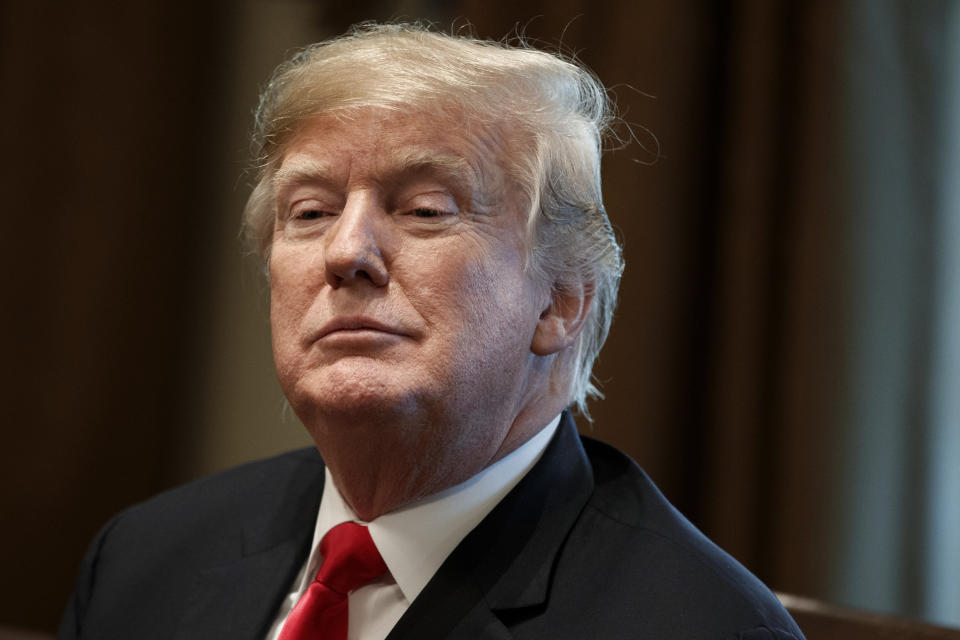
point(355, 323)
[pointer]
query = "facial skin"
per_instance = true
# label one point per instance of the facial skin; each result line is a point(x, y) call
point(407, 334)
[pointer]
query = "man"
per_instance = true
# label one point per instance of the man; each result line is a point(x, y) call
point(442, 276)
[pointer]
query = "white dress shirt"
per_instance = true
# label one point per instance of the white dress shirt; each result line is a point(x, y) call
point(413, 540)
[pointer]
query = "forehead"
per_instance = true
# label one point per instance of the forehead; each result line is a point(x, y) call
point(384, 145)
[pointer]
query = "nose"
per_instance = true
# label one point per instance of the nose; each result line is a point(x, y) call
point(352, 251)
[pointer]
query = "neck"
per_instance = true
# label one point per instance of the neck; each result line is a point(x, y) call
point(380, 466)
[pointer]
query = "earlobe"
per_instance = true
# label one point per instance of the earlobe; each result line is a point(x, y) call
point(561, 322)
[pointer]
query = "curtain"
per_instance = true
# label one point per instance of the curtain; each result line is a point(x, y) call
point(898, 486)
point(105, 119)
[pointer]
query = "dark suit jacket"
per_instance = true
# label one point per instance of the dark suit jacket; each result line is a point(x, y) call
point(584, 547)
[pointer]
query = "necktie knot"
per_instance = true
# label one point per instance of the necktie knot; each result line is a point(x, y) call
point(350, 560)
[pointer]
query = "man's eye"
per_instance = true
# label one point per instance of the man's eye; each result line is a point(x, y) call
point(423, 212)
point(310, 214)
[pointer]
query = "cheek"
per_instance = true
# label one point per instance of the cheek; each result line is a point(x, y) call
point(290, 296)
point(454, 293)
point(491, 300)
point(295, 273)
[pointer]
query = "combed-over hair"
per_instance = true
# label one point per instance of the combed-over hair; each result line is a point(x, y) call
point(556, 107)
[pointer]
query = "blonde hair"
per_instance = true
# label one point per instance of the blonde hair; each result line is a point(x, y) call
point(557, 107)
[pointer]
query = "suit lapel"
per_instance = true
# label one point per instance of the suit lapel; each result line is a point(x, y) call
point(501, 571)
point(239, 600)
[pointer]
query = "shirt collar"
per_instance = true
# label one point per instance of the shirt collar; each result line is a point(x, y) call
point(415, 539)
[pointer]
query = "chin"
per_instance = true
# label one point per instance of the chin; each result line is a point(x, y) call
point(353, 393)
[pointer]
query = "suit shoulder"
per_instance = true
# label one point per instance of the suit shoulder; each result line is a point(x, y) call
point(218, 507)
point(250, 476)
point(703, 586)
point(233, 488)
point(144, 563)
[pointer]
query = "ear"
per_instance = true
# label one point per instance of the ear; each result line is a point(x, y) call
point(561, 322)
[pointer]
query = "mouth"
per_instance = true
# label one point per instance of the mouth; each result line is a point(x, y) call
point(356, 324)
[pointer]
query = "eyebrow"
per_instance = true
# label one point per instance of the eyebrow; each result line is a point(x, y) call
point(303, 172)
point(448, 165)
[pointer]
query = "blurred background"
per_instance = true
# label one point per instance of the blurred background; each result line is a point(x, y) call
point(785, 361)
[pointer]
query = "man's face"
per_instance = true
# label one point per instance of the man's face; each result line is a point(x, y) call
point(398, 287)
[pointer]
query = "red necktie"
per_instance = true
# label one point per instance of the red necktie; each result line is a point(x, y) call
point(350, 560)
